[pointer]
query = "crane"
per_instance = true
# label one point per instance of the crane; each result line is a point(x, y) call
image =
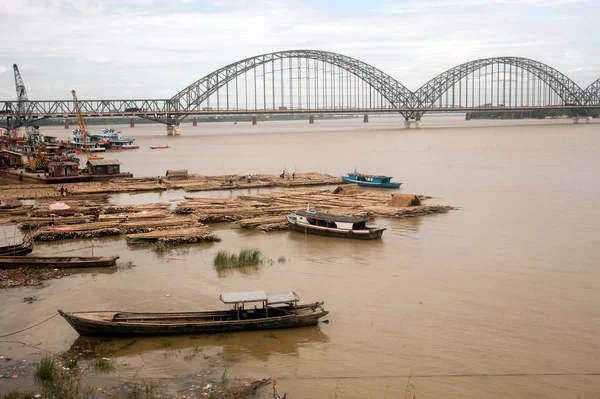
point(34, 138)
point(83, 129)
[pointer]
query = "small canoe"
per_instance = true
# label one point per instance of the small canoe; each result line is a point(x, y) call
point(17, 250)
point(56, 262)
point(117, 323)
point(159, 147)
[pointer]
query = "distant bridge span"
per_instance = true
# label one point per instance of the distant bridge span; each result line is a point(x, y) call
point(313, 82)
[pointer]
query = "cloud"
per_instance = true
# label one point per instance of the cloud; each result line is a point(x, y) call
point(158, 47)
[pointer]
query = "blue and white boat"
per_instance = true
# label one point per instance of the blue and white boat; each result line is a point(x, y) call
point(370, 180)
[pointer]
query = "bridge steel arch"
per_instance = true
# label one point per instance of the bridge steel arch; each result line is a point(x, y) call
point(592, 93)
point(567, 90)
point(190, 98)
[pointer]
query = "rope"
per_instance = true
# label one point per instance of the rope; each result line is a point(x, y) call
point(28, 328)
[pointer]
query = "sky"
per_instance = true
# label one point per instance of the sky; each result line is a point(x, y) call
point(152, 49)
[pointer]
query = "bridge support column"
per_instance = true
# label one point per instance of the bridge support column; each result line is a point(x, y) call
point(366, 118)
point(408, 122)
point(254, 120)
point(132, 122)
point(311, 119)
point(195, 122)
point(173, 130)
point(66, 123)
point(588, 119)
point(468, 116)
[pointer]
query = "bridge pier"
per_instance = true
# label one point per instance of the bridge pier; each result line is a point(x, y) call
point(311, 119)
point(408, 122)
point(587, 119)
point(173, 130)
point(132, 122)
point(195, 122)
point(366, 118)
point(254, 120)
point(66, 123)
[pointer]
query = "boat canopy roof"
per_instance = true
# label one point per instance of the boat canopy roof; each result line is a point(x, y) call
point(259, 296)
point(330, 216)
point(372, 176)
point(282, 297)
point(241, 297)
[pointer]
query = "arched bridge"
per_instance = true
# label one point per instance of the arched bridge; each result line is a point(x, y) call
point(312, 81)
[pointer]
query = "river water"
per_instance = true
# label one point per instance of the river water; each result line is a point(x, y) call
point(499, 298)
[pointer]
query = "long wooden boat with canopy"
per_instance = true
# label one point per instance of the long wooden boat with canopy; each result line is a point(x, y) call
point(279, 310)
point(330, 224)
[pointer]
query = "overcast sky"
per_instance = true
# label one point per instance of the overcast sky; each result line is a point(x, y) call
point(128, 49)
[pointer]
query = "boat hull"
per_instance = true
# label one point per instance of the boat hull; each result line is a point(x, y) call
point(15, 262)
point(17, 250)
point(193, 323)
point(372, 234)
point(370, 184)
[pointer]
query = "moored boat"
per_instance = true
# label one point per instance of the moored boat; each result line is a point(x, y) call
point(52, 262)
point(129, 147)
point(370, 180)
point(17, 250)
point(329, 224)
point(286, 314)
point(158, 147)
point(113, 139)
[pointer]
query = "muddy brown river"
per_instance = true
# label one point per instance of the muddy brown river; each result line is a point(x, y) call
point(497, 299)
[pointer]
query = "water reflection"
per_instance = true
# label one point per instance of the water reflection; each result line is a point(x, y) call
point(259, 345)
point(248, 270)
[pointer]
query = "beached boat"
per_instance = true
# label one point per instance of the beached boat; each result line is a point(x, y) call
point(277, 311)
point(17, 250)
point(370, 180)
point(329, 224)
point(158, 147)
point(56, 262)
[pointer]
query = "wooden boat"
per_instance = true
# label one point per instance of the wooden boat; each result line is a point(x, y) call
point(286, 314)
point(329, 224)
point(17, 250)
point(158, 147)
point(129, 147)
point(370, 180)
point(52, 262)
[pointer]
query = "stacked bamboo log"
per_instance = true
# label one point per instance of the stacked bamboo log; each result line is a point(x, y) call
point(194, 182)
point(114, 227)
point(267, 212)
point(176, 236)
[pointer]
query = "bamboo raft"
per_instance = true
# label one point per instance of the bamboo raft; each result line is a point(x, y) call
point(113, 228)
point(194, 182)
point(176, 236)
point(267, 212)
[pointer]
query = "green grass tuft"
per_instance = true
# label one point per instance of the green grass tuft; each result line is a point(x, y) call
point(45, 370)
point(17, 394)
point(230, 260)
point(71, 363)
point(225, 377)
point(103, 364)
